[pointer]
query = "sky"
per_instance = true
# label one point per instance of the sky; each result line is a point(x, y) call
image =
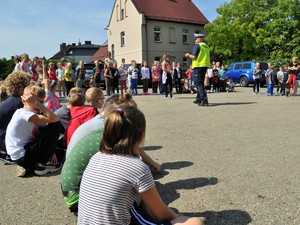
point(38, 27)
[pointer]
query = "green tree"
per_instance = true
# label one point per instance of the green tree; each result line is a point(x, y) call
point(256, 30)
point(6, 67)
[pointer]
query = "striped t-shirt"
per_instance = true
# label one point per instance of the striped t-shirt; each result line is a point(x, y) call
point(109, 187)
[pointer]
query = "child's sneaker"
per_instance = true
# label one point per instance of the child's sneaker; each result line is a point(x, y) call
point(21, 171)
point(48, 168)
point(6, 158)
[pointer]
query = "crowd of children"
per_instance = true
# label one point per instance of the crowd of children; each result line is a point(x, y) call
point(113, 185)
point(285, 79)
point(33, 123)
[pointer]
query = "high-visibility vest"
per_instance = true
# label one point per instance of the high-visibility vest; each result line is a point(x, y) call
point(203, 58)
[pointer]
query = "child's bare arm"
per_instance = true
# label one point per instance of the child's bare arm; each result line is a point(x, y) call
point(149, 161)
point(47, 117)
point(45, 77)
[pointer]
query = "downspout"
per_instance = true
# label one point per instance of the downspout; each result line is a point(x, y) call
point(147, 50)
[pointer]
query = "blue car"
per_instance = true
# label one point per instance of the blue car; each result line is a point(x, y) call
point(241, 72)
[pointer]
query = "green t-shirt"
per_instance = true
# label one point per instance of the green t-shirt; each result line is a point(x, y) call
point(76, 163)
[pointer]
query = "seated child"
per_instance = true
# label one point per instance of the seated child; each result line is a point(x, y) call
point(3, 94)
point(28, 141)
point(80, 114)
point(64, 111)
point(230, 86)
point(85, 142)
point(186, 87)
point(14, 87)
point(116, 177)
point(76, 99)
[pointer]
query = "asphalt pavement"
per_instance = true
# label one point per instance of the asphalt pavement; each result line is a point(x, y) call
point(235, 162)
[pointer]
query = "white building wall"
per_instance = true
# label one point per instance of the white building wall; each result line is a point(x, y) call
point(131, 25)
point(171, 41)
point(139, 34)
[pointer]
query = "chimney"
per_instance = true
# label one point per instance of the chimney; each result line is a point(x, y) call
point(73, 44)
point(88, 42)
point(62, 46)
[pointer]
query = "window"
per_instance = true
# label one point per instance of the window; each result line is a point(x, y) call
point(157, 37)
point(157, 58)
point(185, 36)
point(123, 39)
point(184, 61)
point(172, 37)
point(126, 8)
point(113, 51)
point(230, 67)
point(117, 12)
point(247, 66)
point(238, 66)
point(122, 14)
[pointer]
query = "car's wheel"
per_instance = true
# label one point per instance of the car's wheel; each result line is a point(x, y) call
point(244, 82)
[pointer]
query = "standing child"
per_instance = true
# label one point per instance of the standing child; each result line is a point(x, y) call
point(33, 68)
point(60, 80)
point(108, 74)
point(80, 74)
point(123, 78)
point(285, 80)
point(294, 69)
point(270, 77)
point(145, 71)
point(17, 60)
point(39, 70)
point(28, 145)
point(51, 100)
point(25, 63)
point(189, 74)
point(116, 76)
point(210, 79)
point(257, 74)
point(215, 78)
point(68, 78)
point(155, 76)
point(52, 72)
point(167, 76)
point(97, 74)
point(119, 181)
point(177, 77)
point(280, 76)
point(134, 73)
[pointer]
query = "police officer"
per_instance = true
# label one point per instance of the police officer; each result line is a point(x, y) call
point(200, 63)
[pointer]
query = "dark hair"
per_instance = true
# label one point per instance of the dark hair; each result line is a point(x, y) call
point(124, 131)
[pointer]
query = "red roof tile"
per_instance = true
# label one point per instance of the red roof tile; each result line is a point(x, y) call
point(100, 54)
point(183, 11)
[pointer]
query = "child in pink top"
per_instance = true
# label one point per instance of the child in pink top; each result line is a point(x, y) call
point(52, 72)
point(155, 70)
point(51, 100)
point(24, 63)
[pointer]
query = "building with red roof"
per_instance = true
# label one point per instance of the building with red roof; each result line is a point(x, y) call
point(145, 30)
point(101, 54)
